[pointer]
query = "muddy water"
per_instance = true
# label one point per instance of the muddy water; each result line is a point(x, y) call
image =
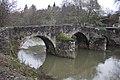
point(88, 65)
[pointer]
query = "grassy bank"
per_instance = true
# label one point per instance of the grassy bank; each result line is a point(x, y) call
point(11, 68)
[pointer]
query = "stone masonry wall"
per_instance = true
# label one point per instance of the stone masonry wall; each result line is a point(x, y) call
point(93, 35)
point(65, 48)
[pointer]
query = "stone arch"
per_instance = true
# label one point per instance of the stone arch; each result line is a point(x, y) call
point(81, 40)
point(50, 47)
point(110, 42)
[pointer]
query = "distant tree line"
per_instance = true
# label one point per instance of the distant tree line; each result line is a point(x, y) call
point(81, 12)
point(6, 8)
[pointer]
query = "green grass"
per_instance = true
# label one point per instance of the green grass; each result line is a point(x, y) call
point(63, 37)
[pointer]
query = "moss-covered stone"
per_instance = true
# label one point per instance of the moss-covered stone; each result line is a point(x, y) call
point(63, 37)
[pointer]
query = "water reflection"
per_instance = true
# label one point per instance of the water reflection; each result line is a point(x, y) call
point(31, 59)
point(110, 70)
point(33, 53)
point(32, 42)
point(88, 65)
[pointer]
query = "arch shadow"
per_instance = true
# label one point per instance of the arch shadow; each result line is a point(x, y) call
point(50, 48)
point(81, 40)
point(110, 43)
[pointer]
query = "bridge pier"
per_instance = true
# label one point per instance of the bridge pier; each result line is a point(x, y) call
point(65, 48)
point(98, 43)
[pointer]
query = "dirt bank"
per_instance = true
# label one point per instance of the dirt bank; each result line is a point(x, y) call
point(11, 69)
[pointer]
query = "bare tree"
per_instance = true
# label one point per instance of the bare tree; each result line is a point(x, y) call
point(5, 8)
point(86, 11)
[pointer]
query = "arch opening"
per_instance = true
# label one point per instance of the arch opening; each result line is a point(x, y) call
point(34, 51)
point(81, 40)
point(50, 48)
point(110, 43)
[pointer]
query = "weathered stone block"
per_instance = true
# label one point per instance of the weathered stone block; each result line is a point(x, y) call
point(65, 48)
point(98, 44)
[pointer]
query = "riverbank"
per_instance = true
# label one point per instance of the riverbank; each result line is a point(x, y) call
point(11, 69)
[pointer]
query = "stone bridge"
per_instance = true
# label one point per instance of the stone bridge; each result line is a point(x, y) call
point(81, 37)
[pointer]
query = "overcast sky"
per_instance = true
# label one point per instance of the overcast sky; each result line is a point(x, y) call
point(41, 4)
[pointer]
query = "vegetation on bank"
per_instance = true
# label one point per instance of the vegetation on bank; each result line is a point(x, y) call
point(10, 63)
point(71, 12)
point(63, 37)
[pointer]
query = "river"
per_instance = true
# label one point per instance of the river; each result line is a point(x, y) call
point(88, 65)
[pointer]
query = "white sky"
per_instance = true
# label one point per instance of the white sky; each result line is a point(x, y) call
point(40, 4)
point(107, 4)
